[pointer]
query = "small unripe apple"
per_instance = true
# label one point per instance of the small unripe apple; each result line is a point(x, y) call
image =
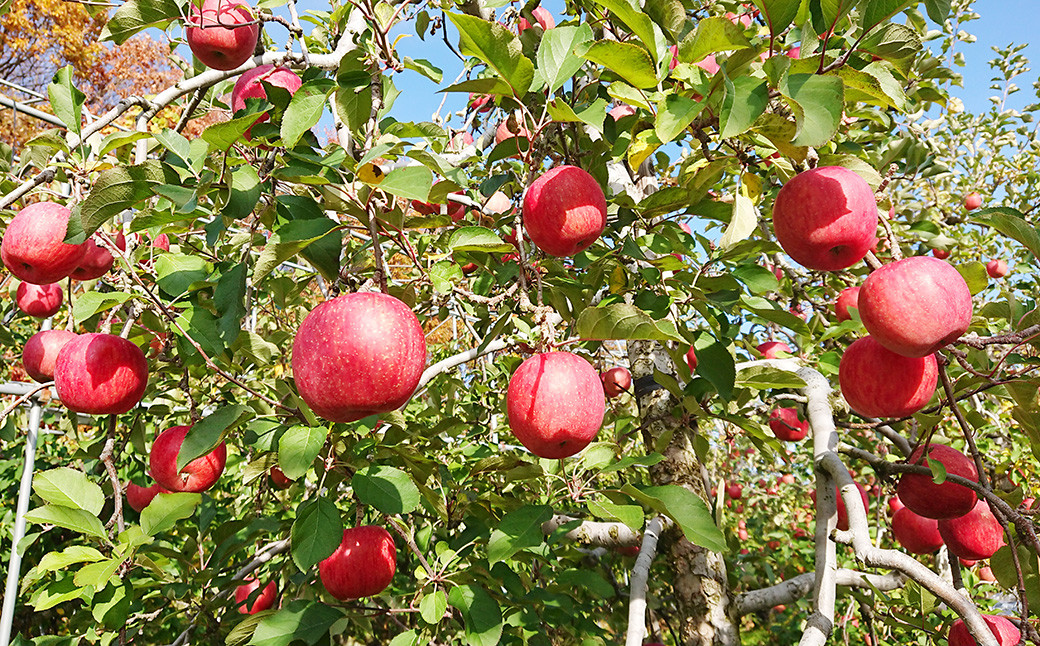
point(826, 218)
point(772, 349)
point(616, 381)
point(877, 382)
point(263, 601)
point(555, 403)
point(250, 86)
point(219, 34)
point(33, 247)
point(849, 297)
point(997, 268)
point(1007, 633)
point(96, 262)
point(939, 501)
point(564, 211)
point(917, 534)
point(197, 475)
point(915, 306)
point(139, 497)
point(786, 425)
point(39, 301)
point(362, 566)
point(100, 374)
point(972, 201)
point(41, 352)
point(976, 535)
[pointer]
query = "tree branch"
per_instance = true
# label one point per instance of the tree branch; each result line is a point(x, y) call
point(640, 577)
point(793, 589)
point(596, 533)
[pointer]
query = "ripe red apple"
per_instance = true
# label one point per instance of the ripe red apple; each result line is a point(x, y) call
point(941, 254)
point(1007, 633)
point(628, 550)
point(162, 241)
point(480, 102)
point(615, 381)
point(555, 404)
point(826, 218)
point(139, 497)
point(972, 201)
point(772, 349)
point(197, 475)
point(263, 601)
point(250, 86)
point(915, 306)
point(849, 297)
point(877, 382)
point(939, 501)
point(894, 505)
point(691, 359)
point(843, 514)
point(621, 111)
point(41, 351)
point(96, 262)
point(215, 39)
point(986, 574)
point(795, 52)
point(709, 64)
point(966, 563)
point(917, 534)
point(362, 566)
point(564, 211)
point(787, 478)
point(976, 535)
point(100, 374)
point(786, 425)
point(735, 491)
point(506, 132)
point(40, 301)
point(541, 16)
point(997, 268)
point(358, 355)
point(33, 247)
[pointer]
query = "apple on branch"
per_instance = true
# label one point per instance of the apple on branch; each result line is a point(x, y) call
point(939, 501)
point(972, 201)
point(877, 382)
point(97, 261)
point(616, 381)
point(772, 349)
point(997, 268)
point(787, 426)
point(33, 247)
point(198, 475)
point(975, 536)
point(139, 497)
point(541, 16)
point(100, 374)
point(222, 33)
point(39, 301)
point(917, 534)
point(849, 297)
point(564, 211)
point(41, 352)
point(1007, 633)
point(250, 86)
point(362, 566)
point(264, 600)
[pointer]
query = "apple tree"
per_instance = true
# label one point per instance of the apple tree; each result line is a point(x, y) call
point(343, 386)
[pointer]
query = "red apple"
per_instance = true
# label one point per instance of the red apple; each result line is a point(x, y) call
point(709, 64)
point(41, 351)
point(96, 262)
point(972, 201)
point(986, 574)
point(362, 566)
point(262, 601)
point(939, 501)
point(843, 514)
point(795, 52)
point(616, 381)
point(628, 550)
point(33, 247)
point(100, 374)
point(826, 218)
point(40, 301)
point(735, 491)
point(976, 535)
point(849, 297)
point(787, 478)
point(917, 534)
point(997, 268)
point(460, 141)
point(786, 425)
point(162, 241)
point(279, 479)
point(480, 102)
point(139, 497)
point(214, 34)
point(894, 505)
point(498, 203)
point(555, 404)
point(941, 254)
point(966, 563)
point(1007, 633)
point(564, 211)
point(541, 16)
point(915, 306)
point(772, 349)
point(877, 382)
point(250, 86)
point(197, 475)
point(506, 132)
point(691, 359)
point(621, 111)
point(358, 355)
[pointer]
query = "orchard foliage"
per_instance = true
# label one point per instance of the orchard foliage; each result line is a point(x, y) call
point(730, 101)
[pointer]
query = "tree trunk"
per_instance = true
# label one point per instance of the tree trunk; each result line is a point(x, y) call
point(699, 581)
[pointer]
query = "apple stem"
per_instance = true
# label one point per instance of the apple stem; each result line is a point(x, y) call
point(872, 261)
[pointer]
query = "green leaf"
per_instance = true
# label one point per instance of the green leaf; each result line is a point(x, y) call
point(715, 363)
point(498, 47)
point(305, 109)
point(874, 12)
point(518, 530)
point(244, 185)
point(715, 34)
point(481, 616)
point(116, 190)
point(432, 607)
point(389, 490)
point(687, 510)
point(316, 532)
point(745, 101)
point(90, 303)
point(827, 13)
point(638, 23)
point(742, 223)
point(975, 275)
point(818, 103)
point(1012, 224)
point(136, 15)
point(69, 488)
point(408, 637)
point(557, 61)
point(177, 272)
point(765, 377)
point(628, 60)
point(174, 142)
point(674, 114)
point(206, 434)
point(78, 520)
point(623, 321)
point(630, 515)
point(290, 239)
point(779, 14)
point(299, 620)
point(938, 10)
point(221, 136)
point(409, 182)
point(424, 67)
point(477, 239)
point(670, 15)
point(166, 509)
point(298, 447)
point(54, 561)
point(66, 100)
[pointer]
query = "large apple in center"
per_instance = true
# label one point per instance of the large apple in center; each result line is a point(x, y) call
point(362, 566)
point(916, 305)
point(41, 352)
point(197, 475)
point(565, 211)
point(826, 218)
point(250, 86)
point(555, 404)
point(975, 536)
point(33, 247)
point(219, 34)
point(100, 374)
point(40, 301)
point(877, 382)
point(358, 355)
point(921, 495)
